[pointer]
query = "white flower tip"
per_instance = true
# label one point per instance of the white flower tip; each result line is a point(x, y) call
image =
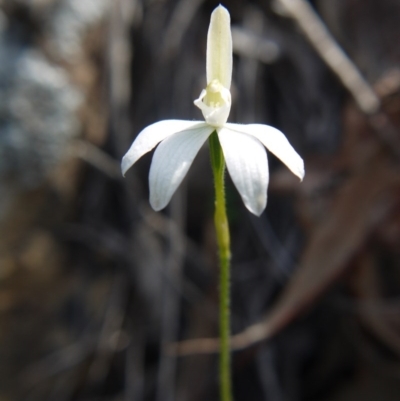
point(157, 205)
point(157, 198)
point(300, 170)
point(221, 12)
point(125, 165)
point(256, 208)
point(255, 204)
point(219, 47)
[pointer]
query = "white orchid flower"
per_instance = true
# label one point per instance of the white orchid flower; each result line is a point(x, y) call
point(242, 145)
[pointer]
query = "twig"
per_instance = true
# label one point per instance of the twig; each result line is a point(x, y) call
point(119, 57)
point(326, 46)
point(254, 46)
point(96, 157)
point(134, 362)
point(171, 299)
point(348, 73)
point(60, 361)
point(114, 316)
point(182, 17)
point(251, 336)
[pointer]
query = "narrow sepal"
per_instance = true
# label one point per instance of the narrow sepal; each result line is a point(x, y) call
point(151, 136)
point(171, 161)
point(246, 160)
point(276, 142)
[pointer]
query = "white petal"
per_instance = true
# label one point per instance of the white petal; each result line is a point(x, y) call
point(171, 161)
point(219, 47)
point(246, 160)
point(276, 142)
point(151, 136)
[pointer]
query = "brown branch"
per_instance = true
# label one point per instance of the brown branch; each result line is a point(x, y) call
point(326, 46)
point(327, 257)
point(251, 336)
point(328, 49)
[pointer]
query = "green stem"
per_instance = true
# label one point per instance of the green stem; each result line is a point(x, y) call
point(223, 240)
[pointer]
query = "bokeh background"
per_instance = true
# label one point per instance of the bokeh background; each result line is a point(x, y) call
point(96, 289)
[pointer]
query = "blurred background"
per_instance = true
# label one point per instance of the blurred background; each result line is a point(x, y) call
point(98, 293)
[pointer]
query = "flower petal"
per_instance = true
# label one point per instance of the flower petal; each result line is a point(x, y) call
point(246, 160)
point(276, 142)
point(171, 161)
point(219, 47)
point(151, 136)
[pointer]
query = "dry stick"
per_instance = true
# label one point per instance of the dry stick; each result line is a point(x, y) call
point(96, 157)
point(325, 45)
point(252, 335)
point(167, 368)
point(182, 16)
point(119, 58)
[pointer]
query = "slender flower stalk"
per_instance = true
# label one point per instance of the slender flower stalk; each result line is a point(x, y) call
point(215, 104)
point(240, 147)
point(223, 241)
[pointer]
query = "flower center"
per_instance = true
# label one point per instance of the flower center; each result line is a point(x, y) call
point(215, 103)
point(216, 94)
